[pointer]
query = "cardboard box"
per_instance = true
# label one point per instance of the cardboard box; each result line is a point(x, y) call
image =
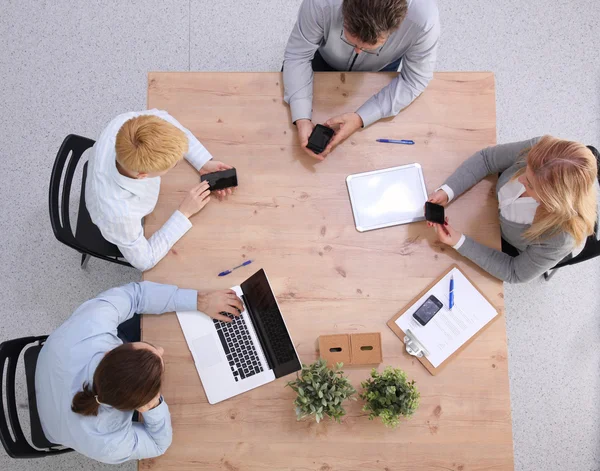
point(366, 349)
point(335, 348)
point(351, 349)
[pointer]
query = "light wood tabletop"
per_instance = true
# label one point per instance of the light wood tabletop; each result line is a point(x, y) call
point(292, 216)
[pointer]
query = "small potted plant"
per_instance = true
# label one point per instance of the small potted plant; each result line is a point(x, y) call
point(390, 396)
point(321, 391)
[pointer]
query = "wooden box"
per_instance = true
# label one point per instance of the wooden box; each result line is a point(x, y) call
point(351, 349)
point(335, 348)
point(366, 349)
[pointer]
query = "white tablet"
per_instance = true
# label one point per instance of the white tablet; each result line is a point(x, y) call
point(387, 197)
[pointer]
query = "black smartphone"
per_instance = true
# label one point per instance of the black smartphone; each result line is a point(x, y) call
point(319, 138)
point(221, 179)
point(434, 213)
point(428, 309)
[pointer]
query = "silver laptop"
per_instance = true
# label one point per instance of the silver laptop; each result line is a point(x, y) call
point(254, 349)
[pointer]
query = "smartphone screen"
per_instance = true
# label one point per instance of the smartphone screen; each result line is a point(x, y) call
point(434, 213)
point(428, 309)
point(221, 180)
point(319, 138)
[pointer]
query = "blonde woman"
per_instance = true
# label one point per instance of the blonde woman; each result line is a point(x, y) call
point(548, 204)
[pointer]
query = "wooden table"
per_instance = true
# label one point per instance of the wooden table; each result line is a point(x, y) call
point(292, 216)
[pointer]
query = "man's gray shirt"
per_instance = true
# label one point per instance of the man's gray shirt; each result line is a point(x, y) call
point(319, 26)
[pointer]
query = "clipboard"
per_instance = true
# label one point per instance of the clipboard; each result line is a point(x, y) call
point(412, 343)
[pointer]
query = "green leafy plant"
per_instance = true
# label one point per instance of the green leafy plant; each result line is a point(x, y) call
point(390, 396)
point(321, 391)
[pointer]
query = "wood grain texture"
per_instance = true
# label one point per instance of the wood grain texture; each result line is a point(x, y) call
point(292, 216)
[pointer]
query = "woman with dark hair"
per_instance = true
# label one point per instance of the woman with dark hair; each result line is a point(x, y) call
point(89, 383)
point(127, 378)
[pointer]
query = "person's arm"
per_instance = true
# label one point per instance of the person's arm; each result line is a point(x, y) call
point(417, 69)
point(197, 155)
point(534, 261)
point(144, 253)
point(120, 304)
point(304, 40)
point(142, 440)
point(488, 161)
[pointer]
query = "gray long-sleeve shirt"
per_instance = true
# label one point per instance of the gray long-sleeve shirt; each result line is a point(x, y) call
point(320, 25)
point(536, 257)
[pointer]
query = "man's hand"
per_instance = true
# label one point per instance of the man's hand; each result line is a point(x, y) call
point(305, 128)
point(213, 304)
point(196, 199)
point(446, 233)
point(155, 402)
point(215, 166)
point(345, 125)
point(439, 197)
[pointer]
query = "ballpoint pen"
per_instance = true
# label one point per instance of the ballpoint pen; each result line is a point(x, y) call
point(451, 294)
point(396, 141)
point(227, 272)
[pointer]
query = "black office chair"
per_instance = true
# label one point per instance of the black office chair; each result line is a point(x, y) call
point(19, 447)
point(88, 239)
point(590, 250)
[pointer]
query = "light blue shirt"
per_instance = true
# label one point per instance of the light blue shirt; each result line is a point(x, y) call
point(70, 357)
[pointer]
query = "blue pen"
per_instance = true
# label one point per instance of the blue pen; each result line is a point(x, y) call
point(227, 272)
point(396, 141)
point(451, 294)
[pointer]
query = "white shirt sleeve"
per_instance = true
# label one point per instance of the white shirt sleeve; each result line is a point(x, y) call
point(197, 154)
point(144, 253)
point(448, 191)
point(459, 243)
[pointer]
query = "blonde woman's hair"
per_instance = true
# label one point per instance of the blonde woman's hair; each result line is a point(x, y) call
point(149, 144)
point(565, 174)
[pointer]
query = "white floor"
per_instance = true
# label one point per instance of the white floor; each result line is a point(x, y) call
point(68, 67)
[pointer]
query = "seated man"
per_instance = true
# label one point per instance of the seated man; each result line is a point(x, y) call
point(89, 383)
point(360, 35)
point(123, 182)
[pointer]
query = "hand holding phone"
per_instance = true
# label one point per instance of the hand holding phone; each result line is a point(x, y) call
point(434, 213)
point(319, 138)
point(195, 200)
point(221, 179)
point(439, 196)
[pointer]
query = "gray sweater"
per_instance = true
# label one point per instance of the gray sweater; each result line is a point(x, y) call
point(536, 257)
point(319, 26)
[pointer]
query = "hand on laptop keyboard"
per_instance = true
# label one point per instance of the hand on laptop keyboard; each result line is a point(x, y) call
point(217, 302)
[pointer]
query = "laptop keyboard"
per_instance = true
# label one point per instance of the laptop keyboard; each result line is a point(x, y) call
point(238, 346)
point(278, 335)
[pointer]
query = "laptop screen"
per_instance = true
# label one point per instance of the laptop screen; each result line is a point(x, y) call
point(269, 322)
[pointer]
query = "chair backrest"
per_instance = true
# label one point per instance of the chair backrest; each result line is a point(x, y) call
point(597, 155)
point(15, 444)
point(68, 157)
point(38, 438)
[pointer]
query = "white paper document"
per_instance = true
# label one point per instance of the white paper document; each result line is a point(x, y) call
point(449, 329)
